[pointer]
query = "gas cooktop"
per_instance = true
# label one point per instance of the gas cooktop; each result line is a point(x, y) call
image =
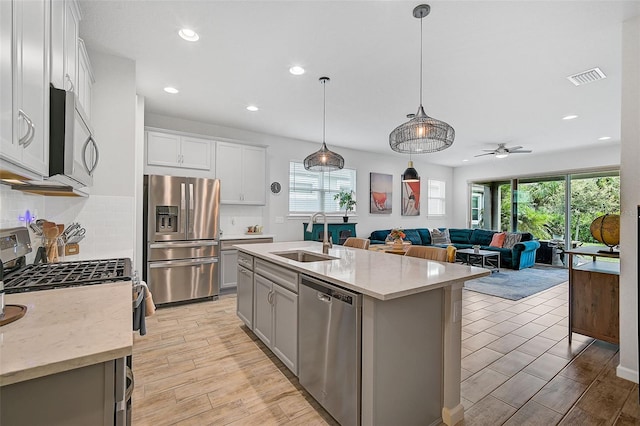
point(67, 274)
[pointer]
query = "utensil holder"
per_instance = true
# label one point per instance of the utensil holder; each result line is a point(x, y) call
point(71, 248)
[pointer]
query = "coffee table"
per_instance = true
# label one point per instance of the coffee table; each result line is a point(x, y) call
point(484, 258)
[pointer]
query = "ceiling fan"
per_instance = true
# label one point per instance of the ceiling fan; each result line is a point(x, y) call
point(502, 151)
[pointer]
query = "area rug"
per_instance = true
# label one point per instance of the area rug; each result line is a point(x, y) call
point(515, 285)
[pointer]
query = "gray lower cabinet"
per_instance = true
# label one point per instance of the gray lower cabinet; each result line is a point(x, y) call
point(228, 262)
point(79, 397)
point(275, 311)
point(245, 295)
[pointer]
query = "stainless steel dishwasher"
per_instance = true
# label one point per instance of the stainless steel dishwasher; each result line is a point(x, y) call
point(330, 346)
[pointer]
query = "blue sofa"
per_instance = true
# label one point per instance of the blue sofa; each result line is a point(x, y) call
point(522, 255)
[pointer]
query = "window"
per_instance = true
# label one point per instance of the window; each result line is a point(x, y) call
point(311, 192)
point(436, 198)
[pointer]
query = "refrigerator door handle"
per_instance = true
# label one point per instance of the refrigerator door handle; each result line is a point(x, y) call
point(191, 212)
point(185, 262)
point(186, 244)
point(183, 206)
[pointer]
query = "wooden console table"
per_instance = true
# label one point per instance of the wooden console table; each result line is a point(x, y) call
point(594, 294)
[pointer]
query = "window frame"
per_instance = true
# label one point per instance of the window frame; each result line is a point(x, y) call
point(321, 190)
point(442, 199)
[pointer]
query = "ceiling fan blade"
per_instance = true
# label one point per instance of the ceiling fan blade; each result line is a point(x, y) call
point(482, 155)
point(515, 148)
point(488, 150)
point(524, 151)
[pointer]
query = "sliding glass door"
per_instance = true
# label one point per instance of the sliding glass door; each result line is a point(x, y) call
point(557, 210)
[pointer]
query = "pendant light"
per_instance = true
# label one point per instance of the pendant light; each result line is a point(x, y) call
point(421, 134)
point(411, 174)
point(324, 160)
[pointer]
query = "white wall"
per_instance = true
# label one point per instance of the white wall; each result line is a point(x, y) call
point(630, 199)
point(282, 150)
point(594, 157)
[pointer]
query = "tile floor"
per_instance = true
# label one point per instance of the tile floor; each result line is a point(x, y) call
point(199, 366)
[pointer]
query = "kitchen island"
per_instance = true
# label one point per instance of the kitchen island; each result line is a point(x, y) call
point(410, 327)
point(57, 362)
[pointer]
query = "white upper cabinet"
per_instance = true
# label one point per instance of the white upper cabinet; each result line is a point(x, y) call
point(65, 30)
point(26, 25)
point(242, 171)
point(172, 150)
point(85, 79)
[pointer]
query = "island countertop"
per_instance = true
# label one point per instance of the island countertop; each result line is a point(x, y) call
point(65, 329)
point(379, 275)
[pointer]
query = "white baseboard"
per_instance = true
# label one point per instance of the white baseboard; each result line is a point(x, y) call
point(627, 373)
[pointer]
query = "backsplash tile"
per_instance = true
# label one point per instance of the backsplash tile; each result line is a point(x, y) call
point(234, 220)
point(108, 220)
point(15, 204)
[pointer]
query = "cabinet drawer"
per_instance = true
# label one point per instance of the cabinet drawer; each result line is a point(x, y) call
point(279, 275)
point(245, 260)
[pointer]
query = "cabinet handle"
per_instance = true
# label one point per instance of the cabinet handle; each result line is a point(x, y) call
point(72, 88)
point(26, 139)
point(270, 297)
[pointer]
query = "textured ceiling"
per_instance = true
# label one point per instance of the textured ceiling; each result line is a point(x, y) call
point(495, 70)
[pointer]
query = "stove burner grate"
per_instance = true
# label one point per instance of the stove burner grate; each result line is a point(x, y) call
point(67, 274)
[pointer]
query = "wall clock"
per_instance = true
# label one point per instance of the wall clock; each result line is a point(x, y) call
point(276, 187)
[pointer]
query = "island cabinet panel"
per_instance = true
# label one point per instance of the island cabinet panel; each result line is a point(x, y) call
point(285, 327)
point(275, 310)
point(245, 296)
point(402, 359)
point(262, 310)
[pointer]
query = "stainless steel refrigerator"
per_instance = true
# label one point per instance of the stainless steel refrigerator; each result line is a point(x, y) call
point(182, 230)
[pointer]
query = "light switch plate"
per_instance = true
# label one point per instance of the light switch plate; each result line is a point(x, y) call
point(279, 219)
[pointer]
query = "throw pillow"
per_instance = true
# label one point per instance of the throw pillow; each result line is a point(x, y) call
point(498, 239)
point(511, 240)
point(440, 237)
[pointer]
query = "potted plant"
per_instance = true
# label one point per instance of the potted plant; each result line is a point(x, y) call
point(346, 201)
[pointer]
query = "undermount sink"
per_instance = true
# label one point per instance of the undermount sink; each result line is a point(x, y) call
point(304, 256)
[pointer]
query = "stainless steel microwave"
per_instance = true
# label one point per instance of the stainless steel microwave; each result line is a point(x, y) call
point(73, 151)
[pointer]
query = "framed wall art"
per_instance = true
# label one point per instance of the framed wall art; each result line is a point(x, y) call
point(410, 199)
point(381, 191)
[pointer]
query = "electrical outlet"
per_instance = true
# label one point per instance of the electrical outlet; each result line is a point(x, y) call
point(279, 219)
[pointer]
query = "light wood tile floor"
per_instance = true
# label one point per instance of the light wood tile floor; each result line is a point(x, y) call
point(198, 365)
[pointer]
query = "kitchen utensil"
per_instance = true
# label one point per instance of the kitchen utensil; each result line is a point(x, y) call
point(75, 239)
point(51, 244)
point(71, 228)
point(36, 229)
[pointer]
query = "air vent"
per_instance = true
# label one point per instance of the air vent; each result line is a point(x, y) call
point(584, 77)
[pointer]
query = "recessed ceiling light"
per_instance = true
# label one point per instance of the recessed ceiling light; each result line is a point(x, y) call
point(569, 117)
point(604, 138)
point(252, 108)
point(296, 70)
point(188, 34)
point(171, 90)
point(465, 160)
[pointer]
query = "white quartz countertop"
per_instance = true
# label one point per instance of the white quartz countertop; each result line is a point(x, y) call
point(65, 329)
point(382, 276)
point(245, 236)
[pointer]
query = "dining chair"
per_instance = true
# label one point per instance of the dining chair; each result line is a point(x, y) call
point(361, 243)
point(426, 252)
point(451, 254)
